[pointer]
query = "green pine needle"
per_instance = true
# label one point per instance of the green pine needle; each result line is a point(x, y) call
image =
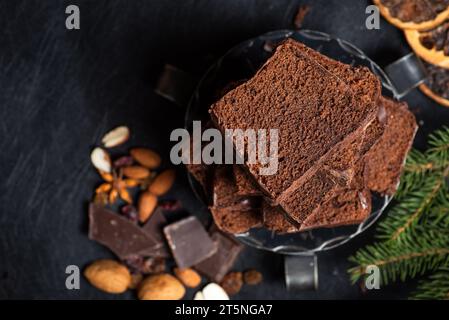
point(435, 287)
point(414, 236)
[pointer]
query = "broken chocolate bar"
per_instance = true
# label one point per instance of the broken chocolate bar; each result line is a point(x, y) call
point(218, 265)
point(154, 227)
point(119, 234)
point(189, 242)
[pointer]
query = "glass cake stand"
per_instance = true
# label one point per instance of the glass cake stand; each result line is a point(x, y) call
point(241, 63)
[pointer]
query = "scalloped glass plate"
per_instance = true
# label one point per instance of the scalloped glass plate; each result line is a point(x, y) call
point(241, 63)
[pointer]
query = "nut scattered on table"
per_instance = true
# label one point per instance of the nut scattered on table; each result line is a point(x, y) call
point(116, 137)
point(136, 172)
point(146, 157)
point(189, 277)
point(108, 275)
point(213, 291)
point(161, 287)
point(162, 183)
point(101, 160)
point(146, 206)
point(198, 296)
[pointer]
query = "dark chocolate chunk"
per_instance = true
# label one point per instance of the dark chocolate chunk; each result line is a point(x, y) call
point(120, 235)
point(155, 224)
point(189, 242)
point(219, 264)
point(129, 211)
point(149, 265)
point(153, 228)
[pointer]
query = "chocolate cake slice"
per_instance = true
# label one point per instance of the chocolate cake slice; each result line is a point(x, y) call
point(345, 207)
point(246, 186)
point(349, 207)
point(203, 175)
point(275, 219)
point(385, 160)
point(316, 111)
point(232, 213)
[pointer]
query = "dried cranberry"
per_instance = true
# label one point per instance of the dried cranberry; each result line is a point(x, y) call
point(232, 283)
point(170, 205)
point(123, 161)
point(252, 277)
point(130, 212)
point(153, 265)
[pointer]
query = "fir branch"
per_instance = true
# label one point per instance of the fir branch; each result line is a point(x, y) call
point(415, 233)
point(435, 287)
point(415, 170)
point(407, 213)
point(438, 152)
point(401, 260)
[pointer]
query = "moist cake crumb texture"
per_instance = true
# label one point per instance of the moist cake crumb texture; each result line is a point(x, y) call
point(339, 141)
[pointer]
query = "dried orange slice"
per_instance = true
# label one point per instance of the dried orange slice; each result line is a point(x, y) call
point(432, 45)
point(428, 92)
point(436, 85)
point(414, 14)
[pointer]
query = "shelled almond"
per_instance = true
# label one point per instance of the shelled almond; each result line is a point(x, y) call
point(162, 183)
point(108, 275)
point(101, 160)
point(136, 172)
point(146, 157)
point(189, 277)
point(161, 287)
point(116, 137)
point(147, 204)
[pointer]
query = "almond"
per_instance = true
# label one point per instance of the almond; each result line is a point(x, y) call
point(147, 204)
point(136, 172)
point(198, 296)
point(108, 275)
point(162, 183)
point(101, 160)
point(214, 292)
point(146, 157)
point(189, 277)
point(161, 287)
point(116, 137)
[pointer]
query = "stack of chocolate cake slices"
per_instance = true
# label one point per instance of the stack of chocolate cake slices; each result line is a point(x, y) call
point(339, 140)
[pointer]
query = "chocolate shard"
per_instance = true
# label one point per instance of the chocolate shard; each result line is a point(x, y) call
point(189, 242)
point(218, 265)
point(154, 228)
point(119, 234)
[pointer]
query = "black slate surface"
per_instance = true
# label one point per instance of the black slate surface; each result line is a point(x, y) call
point(61, 90)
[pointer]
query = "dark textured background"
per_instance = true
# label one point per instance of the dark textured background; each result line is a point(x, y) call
point(61, 90)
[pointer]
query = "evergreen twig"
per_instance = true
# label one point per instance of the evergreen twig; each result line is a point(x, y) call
point(414, 236)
